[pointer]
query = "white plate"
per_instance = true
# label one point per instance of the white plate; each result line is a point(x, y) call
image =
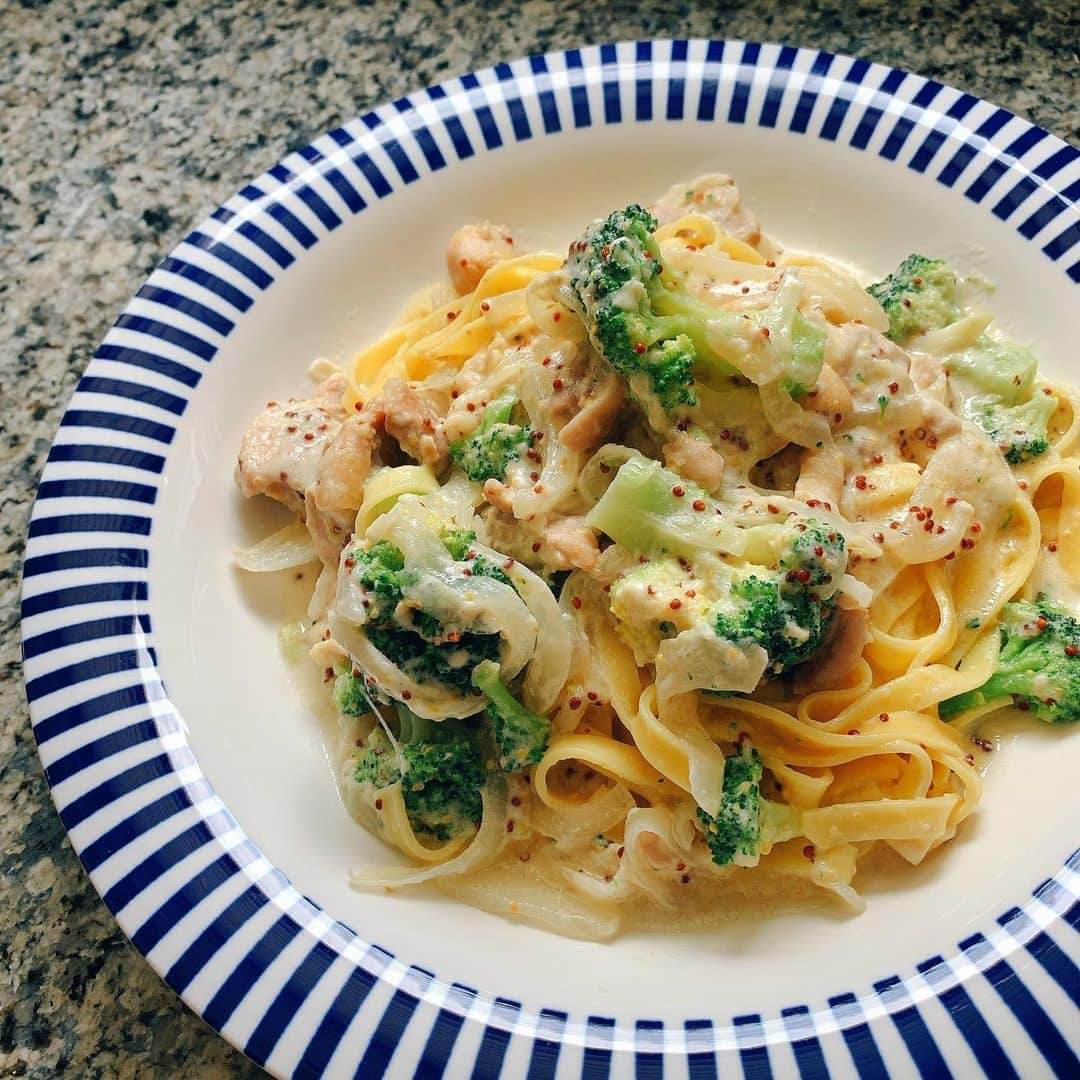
point(208, 817)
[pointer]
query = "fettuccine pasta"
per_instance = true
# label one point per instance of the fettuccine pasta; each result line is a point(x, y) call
point(678, 569)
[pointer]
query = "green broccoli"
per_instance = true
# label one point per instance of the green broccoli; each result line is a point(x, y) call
point(489, 450)
point(736, 828)
point(649, 509)
point(639, 318)
point(815, 556)
point(458, 542)
point(440, 770)
point(348, 693)
point(443, 660)
point(776, 582)
point(1038, 666)
point(1021, 432)
point(379, 570)
point(1003, 370)
point(786, 608)
point(520, 735)
point(412, 639)
point(643, 321)
point(788, 621)
point(921, 294)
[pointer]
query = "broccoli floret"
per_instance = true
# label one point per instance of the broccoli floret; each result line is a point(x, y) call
point(643, 321)
point(377, 763)
point(412, 639)
point(1020, 431)
point(736, 828)
point(786, 609)
point(815, 556)
point(1038, 666)
point(921, 294)
point(781, 597)
point(448, 660)
point(997, 381)
point(379, 570)
point(440, 770)
point(488, 451)
point(637, 314)
point(458, 542)
point(788, 622)
point(520, 735)
point(348, 692)
point(482, 566)
point(1001, 369)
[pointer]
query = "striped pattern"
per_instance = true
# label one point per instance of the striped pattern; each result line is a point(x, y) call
point(300, 993)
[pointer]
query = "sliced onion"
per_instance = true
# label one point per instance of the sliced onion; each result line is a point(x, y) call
point(323, 594)
point(526, 896)
point(600, 470)
point(288, 547)
point(385, 486)
point(550, 665)
point(570, 824)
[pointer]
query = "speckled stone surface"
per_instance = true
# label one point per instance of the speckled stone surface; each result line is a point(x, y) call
point(121, 125)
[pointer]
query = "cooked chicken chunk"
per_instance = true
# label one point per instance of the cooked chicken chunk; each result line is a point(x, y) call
point(573, 542)
point(714, 196)
point(412, 419)
point(346, 464)
point(597, 413)
point(694, 460)
point(281, 450)
point(327, 534)
point(473, 250)
point(830, 396)
point(881, 383)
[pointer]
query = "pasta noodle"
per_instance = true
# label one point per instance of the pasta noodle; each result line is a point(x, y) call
point(610, 634)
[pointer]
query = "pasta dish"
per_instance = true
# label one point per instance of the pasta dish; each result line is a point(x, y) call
point(678, 569)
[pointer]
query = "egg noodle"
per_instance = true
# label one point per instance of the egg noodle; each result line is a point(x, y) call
point(675, 764)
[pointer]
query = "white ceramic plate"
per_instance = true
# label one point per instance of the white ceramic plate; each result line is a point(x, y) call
point(193, 778)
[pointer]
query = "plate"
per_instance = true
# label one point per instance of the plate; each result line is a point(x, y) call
point(192, 777)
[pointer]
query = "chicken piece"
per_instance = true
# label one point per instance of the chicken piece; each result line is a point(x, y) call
point(714, 196)
point(499, 495)
point(830, 396)
point(574, 542)
point(928, 375)
point(345, 465)
point(281, 450)
point(473, 250)
point(821, 478)
point(694, 460)
point(410, 418)
point(578, 373)
point(597, 414)
point(328, 533)
point(844, 642)
point(881, 380)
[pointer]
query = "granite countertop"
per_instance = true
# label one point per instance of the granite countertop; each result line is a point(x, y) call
point(121, 125)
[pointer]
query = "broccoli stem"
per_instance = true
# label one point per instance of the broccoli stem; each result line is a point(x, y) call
point(521, 736)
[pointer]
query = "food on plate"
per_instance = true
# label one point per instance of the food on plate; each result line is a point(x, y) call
point(678, 569)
